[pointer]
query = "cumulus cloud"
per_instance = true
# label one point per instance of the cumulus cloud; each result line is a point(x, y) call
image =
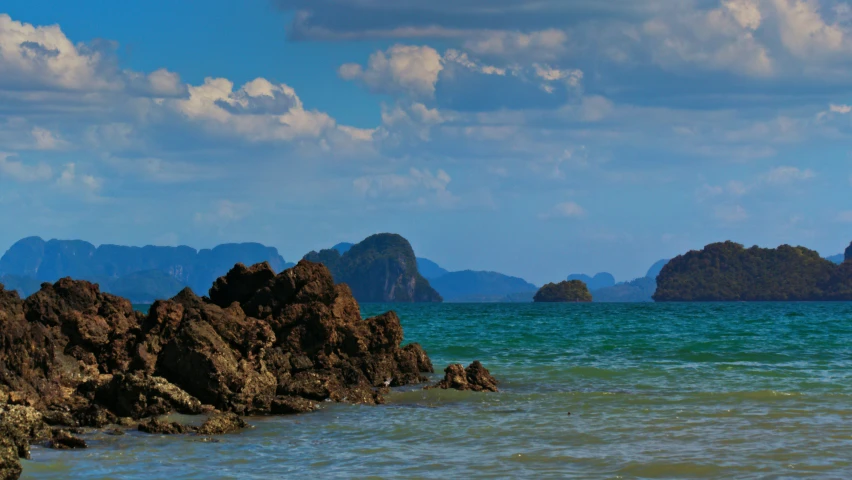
point(258, 111)
point(401, 69)
point(44, 58)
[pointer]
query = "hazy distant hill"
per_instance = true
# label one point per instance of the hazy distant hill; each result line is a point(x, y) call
point(838, 259)
point(139, 273)
point(656, 268)
point(636, 291)
point(382, 268)
point(471, 286)
point(430, 269)
point(600, 280)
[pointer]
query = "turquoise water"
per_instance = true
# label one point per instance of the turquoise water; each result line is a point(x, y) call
point(588, 391)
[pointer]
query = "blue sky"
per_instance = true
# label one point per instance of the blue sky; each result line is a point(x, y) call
point(536, 139)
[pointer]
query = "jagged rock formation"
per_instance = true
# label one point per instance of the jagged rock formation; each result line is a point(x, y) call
point(729, 272)
point(635, 291)
point(475, 378)
point(847, 256)
point(563, 292)
point(261, 343)
point(381, 269)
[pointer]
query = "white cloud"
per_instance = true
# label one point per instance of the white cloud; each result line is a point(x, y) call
point(46, 140)
point(804, 31)
point(564, 210)
point(843, 109)
point(18, 171)
point(39, 57)
point(72, 181)
point(787, 175)
point(419, 184)
point(258, 111)
point(408, 69)
point(461, 58)
point(718, 39)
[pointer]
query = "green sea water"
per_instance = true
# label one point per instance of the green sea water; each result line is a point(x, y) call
point(758, 390)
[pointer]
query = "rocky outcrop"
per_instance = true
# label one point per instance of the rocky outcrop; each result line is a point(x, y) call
point(260, 344)
point(475, 378)
point(563, 292)
point(382, 268)
point(847, 257)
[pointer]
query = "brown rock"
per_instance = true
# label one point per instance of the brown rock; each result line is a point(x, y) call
point(474, 378)
point(10, 465)
point(221, 424)
point(161, 427)
point(284, 405)
point(262, 343)
point(138, 396)
point(63, 440)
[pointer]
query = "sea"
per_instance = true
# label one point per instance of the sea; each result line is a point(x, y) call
point(697, 390)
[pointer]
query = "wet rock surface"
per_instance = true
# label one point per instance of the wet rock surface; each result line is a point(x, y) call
point(64, 440)
point(475, 378)
point(262, 343)
point(221, 424)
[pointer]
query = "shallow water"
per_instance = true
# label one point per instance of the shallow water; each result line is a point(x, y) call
point(590, 391)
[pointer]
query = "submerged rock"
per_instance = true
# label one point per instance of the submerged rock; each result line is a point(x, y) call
point(475, 378)
point(162, 427)
point(63, 440)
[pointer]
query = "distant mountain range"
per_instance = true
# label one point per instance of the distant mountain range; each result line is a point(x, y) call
point(600, 280)
point(604, 288)
point(141, 274)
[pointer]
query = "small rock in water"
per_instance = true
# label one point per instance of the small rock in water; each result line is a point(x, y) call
point(221, 424)
point(63, 440)
point(475, 378)
point(162, 427)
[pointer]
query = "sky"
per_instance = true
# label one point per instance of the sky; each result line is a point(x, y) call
point(536, 138)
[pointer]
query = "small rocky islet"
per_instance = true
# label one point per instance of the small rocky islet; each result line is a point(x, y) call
point(72, 357)
point(570, 291)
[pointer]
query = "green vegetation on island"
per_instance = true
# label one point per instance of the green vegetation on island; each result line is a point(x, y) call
point(567, 291)
point(730, 272)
